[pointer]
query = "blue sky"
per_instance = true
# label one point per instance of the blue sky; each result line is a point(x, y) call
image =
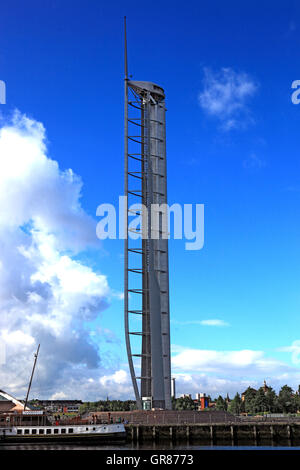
point(232, 145)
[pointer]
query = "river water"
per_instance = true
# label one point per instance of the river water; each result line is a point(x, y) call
point(149, 447)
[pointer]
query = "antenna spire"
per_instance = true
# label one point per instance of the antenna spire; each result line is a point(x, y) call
point(125, 50)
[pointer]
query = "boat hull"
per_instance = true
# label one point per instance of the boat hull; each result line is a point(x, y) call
point(108, 438)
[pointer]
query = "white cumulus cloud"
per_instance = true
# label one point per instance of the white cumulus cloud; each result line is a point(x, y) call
point(242, 362)
point(225, 95)
point(221, 372)
point(294, 349)
point(46, 295)
point(210, 322)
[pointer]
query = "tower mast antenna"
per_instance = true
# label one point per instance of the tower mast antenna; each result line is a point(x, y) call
point(125, 50)
point(146, 267)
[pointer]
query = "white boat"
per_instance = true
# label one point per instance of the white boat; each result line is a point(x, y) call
point(64, 434)
point(36, 426)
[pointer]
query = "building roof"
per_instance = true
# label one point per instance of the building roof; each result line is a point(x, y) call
point(249, 388)
point(16, 404)
point(60, 402)
point(265, 386)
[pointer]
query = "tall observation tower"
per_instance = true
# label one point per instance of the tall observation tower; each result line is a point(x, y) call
point(146, 289)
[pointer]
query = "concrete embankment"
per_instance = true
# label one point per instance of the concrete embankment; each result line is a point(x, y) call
point(209, 434)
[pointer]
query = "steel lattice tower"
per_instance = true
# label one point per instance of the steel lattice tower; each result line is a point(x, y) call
point(146, 286)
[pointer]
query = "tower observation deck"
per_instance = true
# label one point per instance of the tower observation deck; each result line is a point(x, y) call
point(146, 281)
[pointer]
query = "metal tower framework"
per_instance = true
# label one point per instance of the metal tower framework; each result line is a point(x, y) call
point(146, 288)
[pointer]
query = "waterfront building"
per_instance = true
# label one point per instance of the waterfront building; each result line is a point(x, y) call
point(60, 406)
point(8, 403)
point(202, 400)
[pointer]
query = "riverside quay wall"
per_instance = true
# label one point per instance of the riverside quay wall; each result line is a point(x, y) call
point(162, 417)
point(212, 434)
point(204, 427)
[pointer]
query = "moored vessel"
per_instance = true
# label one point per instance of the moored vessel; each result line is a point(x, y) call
point(20, 424)
point(95, 433)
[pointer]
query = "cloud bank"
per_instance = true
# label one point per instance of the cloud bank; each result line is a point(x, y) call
point(215, 372)
point(46, 295)
point(221, 372)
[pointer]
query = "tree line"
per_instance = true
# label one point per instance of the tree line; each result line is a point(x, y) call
point(263, 400)
point(108, 405)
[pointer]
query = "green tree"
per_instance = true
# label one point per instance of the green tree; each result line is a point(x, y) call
point(249, 399)
point(297, 401)
point(271, 400)
point(260, 402)
point(83, 408)
point(185, 403)
point(235, 405)
point(221, 404)
point(286, 399)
